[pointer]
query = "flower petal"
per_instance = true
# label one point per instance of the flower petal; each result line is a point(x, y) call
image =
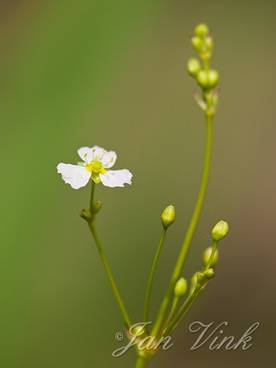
point(98, 153)
point(109, 158)
point(116, 178)
point(75, 175)
point(86, 154)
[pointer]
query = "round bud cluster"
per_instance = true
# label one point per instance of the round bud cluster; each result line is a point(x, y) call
point(202, 42)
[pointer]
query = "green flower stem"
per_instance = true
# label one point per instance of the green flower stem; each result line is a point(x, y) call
point(105, 264)
point(151, 275)
point(212, 256)
point(191, 229)
point(92, 197)
point(140, 363)
point(192, 297)
point(184, 309)
point(172, 311)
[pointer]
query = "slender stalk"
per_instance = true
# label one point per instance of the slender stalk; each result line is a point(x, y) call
point(140, 363)
point(172, 311)
point(191, 229)
point(151, 276)
point(191, 298)
point(183, 310)
point(92, 196)
point(105, 264)
point(110, 276)
point(212, 256)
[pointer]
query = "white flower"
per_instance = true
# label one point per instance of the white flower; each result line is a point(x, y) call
point(96, 164)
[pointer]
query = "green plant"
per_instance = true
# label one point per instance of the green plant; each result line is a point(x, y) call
point(95, 168)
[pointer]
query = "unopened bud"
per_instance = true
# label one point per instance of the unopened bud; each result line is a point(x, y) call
point(207, 255)
point(208, 79)
point(180, 287)
point(209, 43)
point(209, 274)
point(197, 278)
point(85, 214)
point(213, 78)
point(193, 67)
point(201, 30)
point(202, 79)
point(197, 43)
point(220, 230)
point(168, 216)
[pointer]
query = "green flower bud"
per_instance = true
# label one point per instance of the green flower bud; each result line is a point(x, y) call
point(203, 79)
point(168, 216)
point(209, 43)
point(193, 282)
point(220, 230)
point(209, 274)
point(201, 277)
point(180, 287)
point(197, 278)
point(197, 43)
point(206, 257)
point(85, 214)
point(201, 30)
point(213, 78)
point(193, 67)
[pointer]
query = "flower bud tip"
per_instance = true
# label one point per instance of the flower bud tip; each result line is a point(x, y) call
point(168, 216)
point(201, 30)
point(220, 230)
point(193, 67)
point(180, 287)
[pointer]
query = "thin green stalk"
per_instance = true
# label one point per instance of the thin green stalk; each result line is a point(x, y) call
point(151, 275)
point(105, 264)
point(140, 363)
point(184, 309)
point(172, 311)
point(191, 229)
point(212, 256)
point(92, 196)
point(192, 297)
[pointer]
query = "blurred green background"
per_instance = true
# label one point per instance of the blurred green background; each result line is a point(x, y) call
point(113, 74)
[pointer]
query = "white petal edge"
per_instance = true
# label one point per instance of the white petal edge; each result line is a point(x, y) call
point(86, 154)
point(109, 158)
point(75, 175)
point(116, 178)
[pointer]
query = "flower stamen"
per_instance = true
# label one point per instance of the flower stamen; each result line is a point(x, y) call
point(95, 167)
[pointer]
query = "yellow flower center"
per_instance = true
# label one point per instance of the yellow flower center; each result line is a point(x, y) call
point(95, 167)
